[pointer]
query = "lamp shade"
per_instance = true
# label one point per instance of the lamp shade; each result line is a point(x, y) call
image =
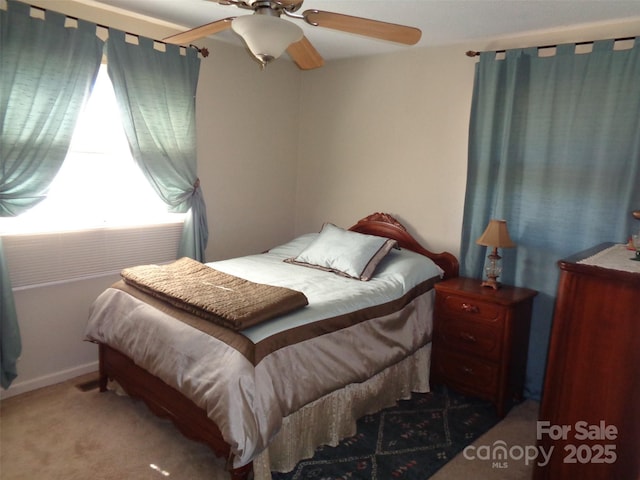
point(266, 36)
point(496, 235)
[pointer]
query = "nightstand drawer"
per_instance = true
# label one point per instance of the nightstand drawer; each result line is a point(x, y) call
point(471, 337)
point(466, 373)
point(471, 309)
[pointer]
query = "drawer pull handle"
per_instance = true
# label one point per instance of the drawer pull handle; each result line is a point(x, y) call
point(468, 307)
point(468, 337)
point(467, 370)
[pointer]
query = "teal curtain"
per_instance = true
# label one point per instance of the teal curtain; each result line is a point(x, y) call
point(46, 74)
point(156, 93)
point(554, 149)
point(10, 343)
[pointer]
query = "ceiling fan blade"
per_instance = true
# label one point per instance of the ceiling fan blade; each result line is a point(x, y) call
point(305, 55)
point(364, 26)
point(200, 32)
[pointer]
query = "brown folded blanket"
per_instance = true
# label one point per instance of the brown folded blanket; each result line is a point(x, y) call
point(230, 301)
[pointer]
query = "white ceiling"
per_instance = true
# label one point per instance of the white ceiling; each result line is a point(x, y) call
point(443, 22)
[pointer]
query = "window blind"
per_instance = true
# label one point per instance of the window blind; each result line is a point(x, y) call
point(49, 258)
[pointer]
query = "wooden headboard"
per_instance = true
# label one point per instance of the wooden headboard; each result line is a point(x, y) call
point(384, 225)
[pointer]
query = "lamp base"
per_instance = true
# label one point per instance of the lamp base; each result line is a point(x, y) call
point(491, 283)
point(493, 270)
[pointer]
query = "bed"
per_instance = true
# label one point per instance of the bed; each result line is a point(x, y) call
point(265, 394)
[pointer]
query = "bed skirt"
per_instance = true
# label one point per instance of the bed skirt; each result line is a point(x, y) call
point(333, 417)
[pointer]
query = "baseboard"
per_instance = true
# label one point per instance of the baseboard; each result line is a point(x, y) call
point(28, 385)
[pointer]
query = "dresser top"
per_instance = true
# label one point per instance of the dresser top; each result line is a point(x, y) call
point(616, 257)
point(607, 259)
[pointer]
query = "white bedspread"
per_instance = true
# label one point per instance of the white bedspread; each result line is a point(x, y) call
point(248, 402)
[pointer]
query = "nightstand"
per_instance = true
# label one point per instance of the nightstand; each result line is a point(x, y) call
point(481, 339)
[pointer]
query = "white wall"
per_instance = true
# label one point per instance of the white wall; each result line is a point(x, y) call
point(52, 320)
point(247, 151)
point(387, 134)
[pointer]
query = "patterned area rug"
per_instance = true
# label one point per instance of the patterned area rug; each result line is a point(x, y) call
point(410, 441)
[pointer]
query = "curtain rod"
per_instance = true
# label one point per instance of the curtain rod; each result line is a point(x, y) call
point(203, 51)
point(472, 53)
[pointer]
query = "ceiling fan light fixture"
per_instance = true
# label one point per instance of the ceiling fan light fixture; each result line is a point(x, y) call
point(266, 36)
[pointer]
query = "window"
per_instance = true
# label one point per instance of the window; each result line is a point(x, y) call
point(99, 184)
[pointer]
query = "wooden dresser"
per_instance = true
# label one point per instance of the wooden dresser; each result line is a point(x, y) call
point(480, 339)
point(590, 409)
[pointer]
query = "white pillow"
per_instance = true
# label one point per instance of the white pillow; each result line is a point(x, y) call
point(347, 253)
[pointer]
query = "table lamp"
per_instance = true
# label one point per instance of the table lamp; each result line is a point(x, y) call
point(497, 236)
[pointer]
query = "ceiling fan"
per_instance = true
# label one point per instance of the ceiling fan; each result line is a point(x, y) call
point(267, 35)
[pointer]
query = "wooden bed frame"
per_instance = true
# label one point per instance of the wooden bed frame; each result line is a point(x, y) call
point(166, 402)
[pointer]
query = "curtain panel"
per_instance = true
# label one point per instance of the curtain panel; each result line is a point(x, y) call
point(38, 117)
point(47, 69)
point(156, 93)
point(554, 149)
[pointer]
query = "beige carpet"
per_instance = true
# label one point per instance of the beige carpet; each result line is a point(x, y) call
point(61, 432)
point(517, 431)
